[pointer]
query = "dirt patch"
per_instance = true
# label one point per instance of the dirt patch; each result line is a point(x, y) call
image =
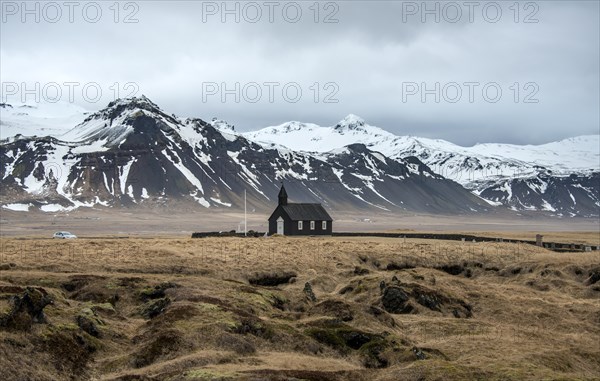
point(77, 282)
point(271, 279)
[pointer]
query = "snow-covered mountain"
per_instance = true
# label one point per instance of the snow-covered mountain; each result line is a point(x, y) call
point(559, 177)
point(463, 164)
point(133, 153)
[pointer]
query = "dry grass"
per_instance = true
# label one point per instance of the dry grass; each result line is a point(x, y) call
point(583, 237)
point(533, 314)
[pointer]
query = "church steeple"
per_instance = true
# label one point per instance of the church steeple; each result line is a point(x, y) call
point(282, 196)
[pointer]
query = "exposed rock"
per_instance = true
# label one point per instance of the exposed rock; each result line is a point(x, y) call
point(428, 299)
point(308, 291)
point(395, 301)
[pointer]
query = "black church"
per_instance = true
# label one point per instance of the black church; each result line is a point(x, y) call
point(299, 219)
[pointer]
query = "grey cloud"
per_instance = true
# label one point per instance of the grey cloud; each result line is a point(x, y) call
point(170, 53)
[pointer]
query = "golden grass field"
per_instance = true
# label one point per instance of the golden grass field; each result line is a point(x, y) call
point(237, 309)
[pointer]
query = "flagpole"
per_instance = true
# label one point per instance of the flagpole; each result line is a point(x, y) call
point(245, 226)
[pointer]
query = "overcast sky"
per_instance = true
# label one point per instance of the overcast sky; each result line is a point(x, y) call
point(374, 59)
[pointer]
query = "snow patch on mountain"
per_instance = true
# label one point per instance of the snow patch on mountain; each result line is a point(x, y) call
point(17, 207)
point(38, 119)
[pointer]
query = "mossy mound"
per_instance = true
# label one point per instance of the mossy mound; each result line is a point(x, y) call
point(26, 309)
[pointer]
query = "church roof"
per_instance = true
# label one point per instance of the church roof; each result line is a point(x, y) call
point(307, 212)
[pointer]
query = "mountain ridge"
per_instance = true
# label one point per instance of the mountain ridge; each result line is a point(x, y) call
point(132, 153)
point(106, 159)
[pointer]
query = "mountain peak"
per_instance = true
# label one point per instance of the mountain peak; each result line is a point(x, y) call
point(116, 121)
point(141, 102)
point(125, 108)
point(352, 118)
point(351, 122)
